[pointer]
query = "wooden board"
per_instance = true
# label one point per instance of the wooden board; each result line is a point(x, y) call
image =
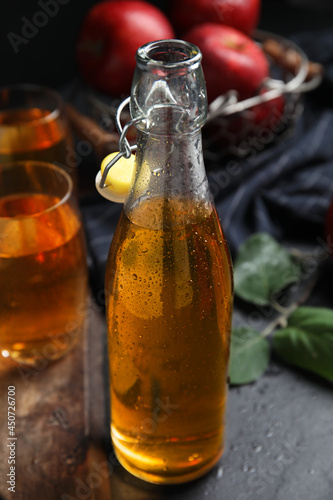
point(60, 422)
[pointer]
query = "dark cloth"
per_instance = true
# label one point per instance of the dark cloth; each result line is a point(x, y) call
point(284, 190)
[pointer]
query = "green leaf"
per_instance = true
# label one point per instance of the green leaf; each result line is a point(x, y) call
point(307, 341)
point(249, 356)
point(263, 268)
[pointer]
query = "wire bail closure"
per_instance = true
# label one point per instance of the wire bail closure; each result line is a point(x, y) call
point(125, 149)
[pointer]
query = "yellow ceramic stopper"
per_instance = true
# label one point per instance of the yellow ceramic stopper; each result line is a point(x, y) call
point(119, 178)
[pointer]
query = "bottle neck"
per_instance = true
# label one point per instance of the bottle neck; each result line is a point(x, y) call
point(168, 102)
point(170, 173)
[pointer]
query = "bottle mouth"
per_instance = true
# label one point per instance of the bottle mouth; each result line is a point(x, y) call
point(168, 87)
point(168, 54)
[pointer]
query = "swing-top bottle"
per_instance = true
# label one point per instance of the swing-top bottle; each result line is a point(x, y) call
point(168, 282)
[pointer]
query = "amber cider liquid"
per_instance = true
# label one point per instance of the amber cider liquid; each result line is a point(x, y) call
point(34, 134)
point(169, 282)
point(42, 278)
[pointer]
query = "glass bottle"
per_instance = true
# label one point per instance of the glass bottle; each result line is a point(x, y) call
point(168, 282)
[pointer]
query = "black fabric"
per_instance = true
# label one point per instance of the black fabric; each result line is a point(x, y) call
point(284, 190)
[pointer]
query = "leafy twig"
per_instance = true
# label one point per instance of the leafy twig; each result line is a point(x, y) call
point(262, 269)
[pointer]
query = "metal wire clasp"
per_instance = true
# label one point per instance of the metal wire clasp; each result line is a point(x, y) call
point(124, 147)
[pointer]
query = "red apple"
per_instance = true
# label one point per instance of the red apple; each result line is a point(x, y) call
point(250, 130)
point(240, 14)
point(268, 114)
point(231, 60)
point(262, 122)
point(110, 35)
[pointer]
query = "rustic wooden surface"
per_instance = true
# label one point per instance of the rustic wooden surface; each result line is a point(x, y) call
point(60, 423)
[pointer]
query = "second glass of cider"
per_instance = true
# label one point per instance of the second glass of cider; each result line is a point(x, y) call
point(43, 272)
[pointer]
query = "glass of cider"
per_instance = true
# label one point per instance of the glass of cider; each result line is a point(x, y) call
point(43, 274)
point(33, 126)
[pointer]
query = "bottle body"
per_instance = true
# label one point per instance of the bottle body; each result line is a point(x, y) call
point(169, 289)
point(169, 318)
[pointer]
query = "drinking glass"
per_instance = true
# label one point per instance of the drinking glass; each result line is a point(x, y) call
point(33, 126)
point(43, 274)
